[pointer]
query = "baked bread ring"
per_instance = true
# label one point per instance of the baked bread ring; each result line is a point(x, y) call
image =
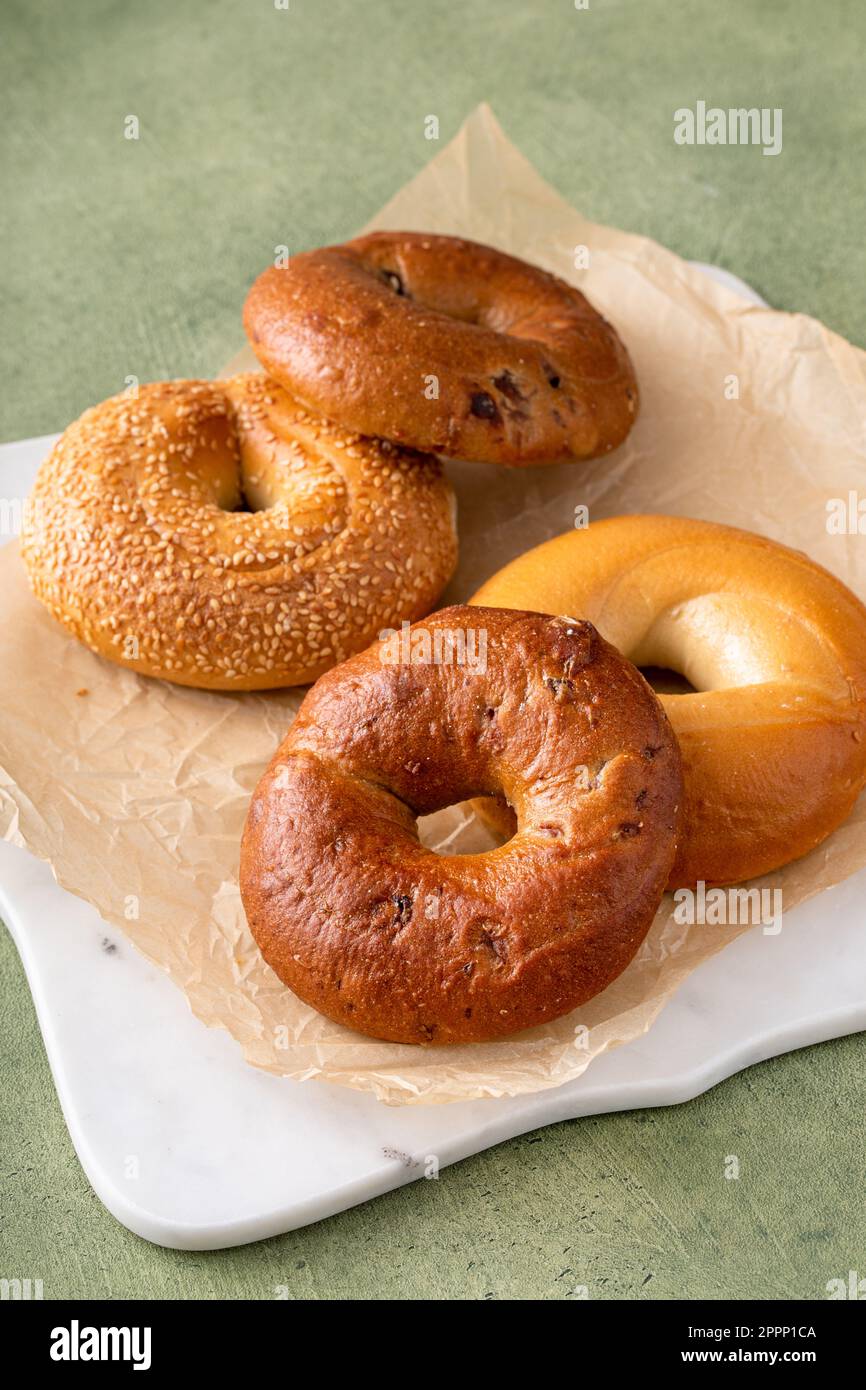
point(393, 940)
point(214, 534)
point(774, 740)
point(445, 345)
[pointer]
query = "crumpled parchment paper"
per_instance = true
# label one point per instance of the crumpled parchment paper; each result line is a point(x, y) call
point(135, 791)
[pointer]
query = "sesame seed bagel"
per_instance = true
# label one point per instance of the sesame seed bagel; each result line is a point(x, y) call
point(774, 737)
point(445, 345)
point(217, 535)
point(374, 930)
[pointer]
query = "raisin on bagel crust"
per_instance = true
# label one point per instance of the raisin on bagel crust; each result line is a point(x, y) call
point(444, 345)
point(215, 534)
point(374, 930)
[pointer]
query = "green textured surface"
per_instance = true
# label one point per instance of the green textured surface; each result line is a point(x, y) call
point(262, 127)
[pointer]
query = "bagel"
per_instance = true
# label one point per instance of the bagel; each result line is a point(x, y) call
point(774, 739)
point(447, 346)
point(216, 535)
point(379, 933)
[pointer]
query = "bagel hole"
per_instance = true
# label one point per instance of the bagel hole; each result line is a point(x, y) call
point(245, 506)
point(664, 681)
point(455, 830)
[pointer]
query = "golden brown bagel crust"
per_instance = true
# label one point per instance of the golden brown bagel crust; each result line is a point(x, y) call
point(774, 742)
point(526, 370)
point(141, 541)
point(391, 939)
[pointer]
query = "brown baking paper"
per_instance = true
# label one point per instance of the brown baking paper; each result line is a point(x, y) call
point(135, 791)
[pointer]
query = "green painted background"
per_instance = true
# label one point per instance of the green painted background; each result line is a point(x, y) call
point(260, 127)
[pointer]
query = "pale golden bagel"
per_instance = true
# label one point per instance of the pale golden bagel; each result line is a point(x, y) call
point(447, 345)
point(378, 932)
point(216, 535)
point(774, 740)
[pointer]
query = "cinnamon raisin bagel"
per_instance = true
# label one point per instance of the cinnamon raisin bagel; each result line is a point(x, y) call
point(444, 345)
point(391, 939)
point(774, 737)
point(217, 535)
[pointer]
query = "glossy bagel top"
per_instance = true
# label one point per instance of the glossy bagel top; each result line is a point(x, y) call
point(384, 935)
point(445, 345)
point(774, 737)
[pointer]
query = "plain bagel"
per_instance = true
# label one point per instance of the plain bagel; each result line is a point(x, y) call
point(374, 930)
point(774, 739)
point(445, 345)
point(217, 535)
